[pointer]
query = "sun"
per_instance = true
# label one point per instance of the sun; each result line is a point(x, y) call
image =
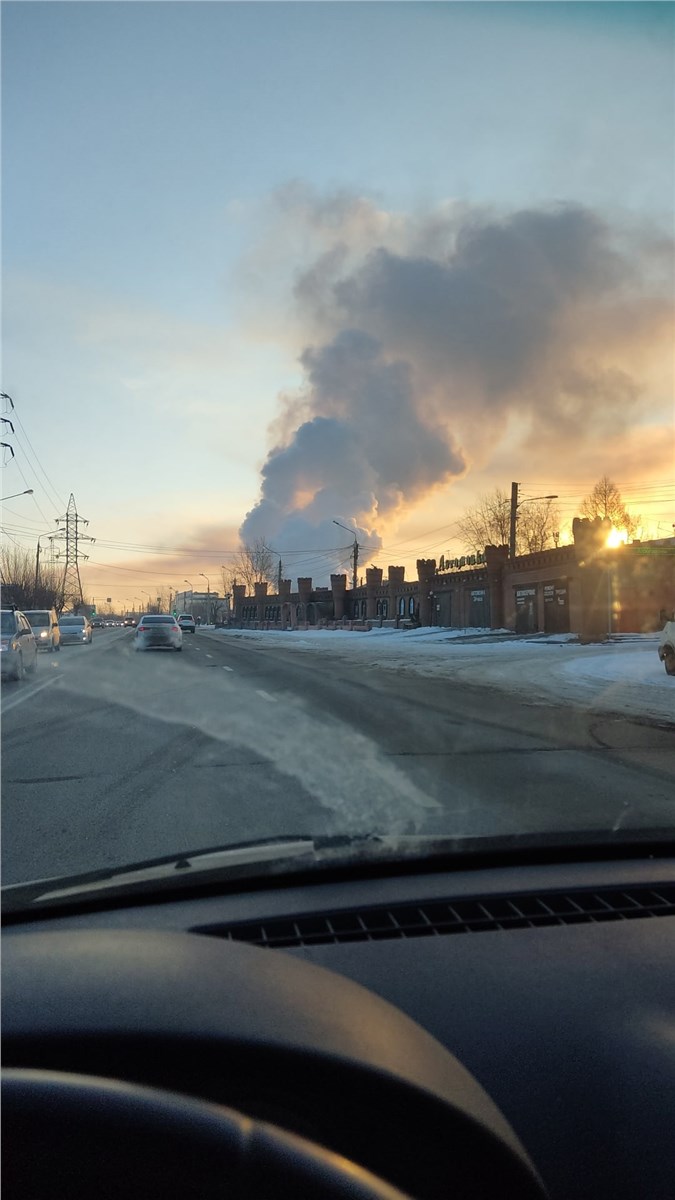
point(616, 537)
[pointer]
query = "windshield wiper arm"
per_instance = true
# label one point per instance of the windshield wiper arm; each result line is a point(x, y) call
point(246, 854)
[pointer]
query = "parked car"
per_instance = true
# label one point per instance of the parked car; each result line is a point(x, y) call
point(187, 622)
point(18, 645)
point(158, 631)
point(45, 625)
point(667, 647)
point(74, 630)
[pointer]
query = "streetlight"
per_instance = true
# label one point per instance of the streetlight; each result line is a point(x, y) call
point(39, 551)
point(28, 492)
point(144, 593)
point(515, 505)
point(208, 597)
point(355, 552)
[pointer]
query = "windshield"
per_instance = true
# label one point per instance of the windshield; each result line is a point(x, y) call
point(38, 618)
point(8, 622)
point(342, 335)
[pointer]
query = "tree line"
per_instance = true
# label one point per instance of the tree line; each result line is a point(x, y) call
point(28, 587)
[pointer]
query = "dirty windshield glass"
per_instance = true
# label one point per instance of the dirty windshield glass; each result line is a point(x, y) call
point(346, 330)
point(38, 619)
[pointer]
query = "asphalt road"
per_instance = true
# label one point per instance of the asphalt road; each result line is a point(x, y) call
point(111, 756)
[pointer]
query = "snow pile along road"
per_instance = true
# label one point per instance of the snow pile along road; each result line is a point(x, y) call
point(622, 677)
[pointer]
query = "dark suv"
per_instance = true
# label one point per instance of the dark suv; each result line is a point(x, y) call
point(18, 645)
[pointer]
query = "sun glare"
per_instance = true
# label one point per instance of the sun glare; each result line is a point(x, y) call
point(616, 537)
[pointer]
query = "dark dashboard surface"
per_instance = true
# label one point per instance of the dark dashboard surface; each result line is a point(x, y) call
point(568, 1024)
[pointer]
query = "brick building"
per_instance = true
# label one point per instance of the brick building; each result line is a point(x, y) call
point(584, 588)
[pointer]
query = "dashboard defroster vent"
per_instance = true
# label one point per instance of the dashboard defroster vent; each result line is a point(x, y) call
point(433, 919)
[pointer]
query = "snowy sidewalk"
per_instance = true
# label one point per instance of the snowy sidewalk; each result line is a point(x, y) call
point(622, 677)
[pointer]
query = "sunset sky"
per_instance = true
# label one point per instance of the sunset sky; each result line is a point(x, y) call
point(270, 265)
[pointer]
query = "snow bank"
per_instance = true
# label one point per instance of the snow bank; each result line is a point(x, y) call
point(623, 676)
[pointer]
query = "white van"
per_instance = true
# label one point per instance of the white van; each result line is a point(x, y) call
point(45, 625)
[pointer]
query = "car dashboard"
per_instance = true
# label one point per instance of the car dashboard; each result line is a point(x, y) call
point(490, 1032)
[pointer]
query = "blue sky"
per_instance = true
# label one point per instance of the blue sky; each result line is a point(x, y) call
point(149, 264)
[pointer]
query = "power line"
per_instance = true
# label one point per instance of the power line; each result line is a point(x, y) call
point(54, 496)
point(15, 414)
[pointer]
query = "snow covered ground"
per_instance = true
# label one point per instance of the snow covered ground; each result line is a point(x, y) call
point(624, 676)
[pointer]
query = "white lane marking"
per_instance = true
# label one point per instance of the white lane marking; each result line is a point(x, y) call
point(209, 656)
point(265, 695)
point(228, 668)
point(16, 700)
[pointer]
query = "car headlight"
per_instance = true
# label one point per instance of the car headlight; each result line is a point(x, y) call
point(43, 633)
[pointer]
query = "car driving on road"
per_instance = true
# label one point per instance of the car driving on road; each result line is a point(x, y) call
point(18, 646)
point(187, 622)
point(75, 630)
point(157, 631)
point(45, 625)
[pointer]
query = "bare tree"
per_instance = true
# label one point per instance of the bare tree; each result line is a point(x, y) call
point(538, 522)
point(24, 586)
point(254, 564)
point(486, 523)
point(604, 500)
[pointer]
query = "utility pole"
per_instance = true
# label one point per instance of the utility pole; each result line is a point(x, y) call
point(72, 584)
point(514, 518)
point(208, 597)
point(515, 505)
point(355, 554)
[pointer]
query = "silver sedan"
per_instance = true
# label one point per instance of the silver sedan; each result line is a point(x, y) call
point(75, 630)
point(158, 632)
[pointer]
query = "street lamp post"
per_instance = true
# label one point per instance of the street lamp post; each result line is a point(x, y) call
point(355, 553)
point(37, 565)
point(28, 492)
point(515, 505)
point(208, 597)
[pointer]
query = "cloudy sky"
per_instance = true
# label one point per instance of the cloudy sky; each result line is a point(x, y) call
point(270, 265)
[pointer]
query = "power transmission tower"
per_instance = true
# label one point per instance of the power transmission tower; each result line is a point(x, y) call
point(72, 584)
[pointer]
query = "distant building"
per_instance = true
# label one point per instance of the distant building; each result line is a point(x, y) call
point(207, 606)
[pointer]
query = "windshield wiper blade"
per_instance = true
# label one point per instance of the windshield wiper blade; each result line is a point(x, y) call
point(264, 857)
point(246, 854)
